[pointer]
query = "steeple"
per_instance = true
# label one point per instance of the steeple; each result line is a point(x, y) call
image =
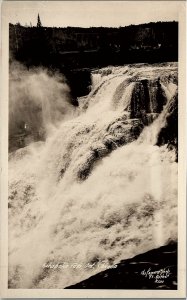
point(39, 24)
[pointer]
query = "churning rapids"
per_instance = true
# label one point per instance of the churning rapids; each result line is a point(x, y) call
point(100, 188)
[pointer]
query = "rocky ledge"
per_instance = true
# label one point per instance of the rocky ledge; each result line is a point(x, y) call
point(155, 269)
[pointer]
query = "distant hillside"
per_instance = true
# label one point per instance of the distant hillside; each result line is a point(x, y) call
point(74, 47)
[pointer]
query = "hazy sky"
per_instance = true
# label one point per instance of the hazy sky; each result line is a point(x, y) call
point(92, 13)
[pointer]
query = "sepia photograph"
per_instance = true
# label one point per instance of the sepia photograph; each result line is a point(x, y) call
point(93, 146)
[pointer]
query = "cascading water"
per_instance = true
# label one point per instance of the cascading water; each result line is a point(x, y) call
point(99, 189)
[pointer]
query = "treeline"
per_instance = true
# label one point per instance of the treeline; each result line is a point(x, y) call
point(91, 47)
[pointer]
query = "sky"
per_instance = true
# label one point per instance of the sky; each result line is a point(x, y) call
point(91, 13)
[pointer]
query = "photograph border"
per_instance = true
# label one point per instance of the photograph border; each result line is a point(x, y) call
point(94, 293)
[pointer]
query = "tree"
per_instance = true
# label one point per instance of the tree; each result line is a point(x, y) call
point(39, 24)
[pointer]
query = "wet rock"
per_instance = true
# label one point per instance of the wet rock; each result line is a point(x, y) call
point(148, 97)
point(169, 134)
point(131, 273)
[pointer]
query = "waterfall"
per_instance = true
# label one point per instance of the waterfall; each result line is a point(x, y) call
point(95, 79)
point(99, 189)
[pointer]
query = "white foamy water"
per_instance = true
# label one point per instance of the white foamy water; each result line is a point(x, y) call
point(95, 190)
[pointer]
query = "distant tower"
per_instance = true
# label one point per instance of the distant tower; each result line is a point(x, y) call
point(39, 24)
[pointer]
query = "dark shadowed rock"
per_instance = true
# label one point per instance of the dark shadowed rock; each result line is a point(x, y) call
point(169, 134)
point(131, 273)
point(148, 97)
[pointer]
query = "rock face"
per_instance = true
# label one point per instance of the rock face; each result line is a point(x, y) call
point(148, 97)
point(134, 273)
point(169, 133)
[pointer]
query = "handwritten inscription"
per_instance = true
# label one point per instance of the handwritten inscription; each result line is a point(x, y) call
point(158, 276)
point(75, 265)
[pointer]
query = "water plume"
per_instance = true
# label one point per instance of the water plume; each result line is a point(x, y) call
point(38, 101)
